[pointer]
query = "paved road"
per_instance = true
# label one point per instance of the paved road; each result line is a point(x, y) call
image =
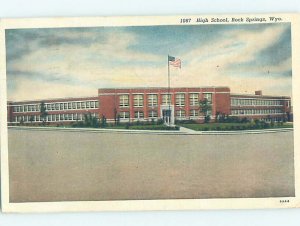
point(75, 166)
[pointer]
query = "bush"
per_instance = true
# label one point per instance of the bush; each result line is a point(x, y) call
point(244, 120)
point(188, 121)
point(206, 118)
point(152, 121)
point(160, 121)
point(162, 127)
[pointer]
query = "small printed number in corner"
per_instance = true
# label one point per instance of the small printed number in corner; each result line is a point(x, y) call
point(284, 201)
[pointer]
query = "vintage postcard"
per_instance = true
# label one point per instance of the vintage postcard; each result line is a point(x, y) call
point(150, 113)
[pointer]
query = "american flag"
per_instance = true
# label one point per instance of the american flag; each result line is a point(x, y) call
point(175, 62)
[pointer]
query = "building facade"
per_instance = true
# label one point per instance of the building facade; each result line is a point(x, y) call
point(147, 104)
point(258, 106)
point(172, 104)
point(59, 111)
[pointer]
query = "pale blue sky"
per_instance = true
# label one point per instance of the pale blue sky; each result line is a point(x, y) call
point(59, 62)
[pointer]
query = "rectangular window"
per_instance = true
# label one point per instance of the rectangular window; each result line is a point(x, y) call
point(138, 100)
point(152, 114)
point(194, 99)
point(69, 105)
point(92, 104)
point(166, 99)
point(65, 106)
point(78, 105)
point(124, 115)
point(139, 114)
point(231, 102)
point(73, 105)
point(180, 99)
point(56, 106)
point(208, 96)
point(194, 113)
point(96, 104)
point(124, 100)
point(61, 106)
point(152, 100)
point(87, 104)
point(180, 113)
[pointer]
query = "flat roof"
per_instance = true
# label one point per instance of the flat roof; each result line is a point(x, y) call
point(165, 87)
point(54, 99)
point(254, 95)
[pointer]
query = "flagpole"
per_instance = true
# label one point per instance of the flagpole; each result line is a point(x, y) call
point(169, 96)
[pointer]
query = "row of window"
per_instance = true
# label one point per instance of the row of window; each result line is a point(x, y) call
point(51, 118)
point(138, 99)
point(256, 111)
point(57, 106)
point(154, 114)
point(255, 102)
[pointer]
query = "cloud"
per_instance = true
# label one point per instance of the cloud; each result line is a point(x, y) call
point(75, 62)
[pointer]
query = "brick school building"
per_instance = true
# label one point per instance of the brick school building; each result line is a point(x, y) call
point(152, 103)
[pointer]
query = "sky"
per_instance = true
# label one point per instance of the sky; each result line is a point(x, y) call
point(73, 62)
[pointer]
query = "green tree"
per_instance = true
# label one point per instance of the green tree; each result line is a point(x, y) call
point(116, 116)
point(205, 108)
point(43, 112)
point(90, 121)
point(31, 119)
point(103, 121)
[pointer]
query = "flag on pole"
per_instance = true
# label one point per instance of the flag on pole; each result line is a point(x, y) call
point(175, 62)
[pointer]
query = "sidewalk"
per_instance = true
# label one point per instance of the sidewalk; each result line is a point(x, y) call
point(182, 131)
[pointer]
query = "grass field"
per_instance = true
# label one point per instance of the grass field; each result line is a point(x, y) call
point(80, 165)
point(231, 126)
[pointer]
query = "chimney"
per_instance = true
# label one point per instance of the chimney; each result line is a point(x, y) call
point(258, 92)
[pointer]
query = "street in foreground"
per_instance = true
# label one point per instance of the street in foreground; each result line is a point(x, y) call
point(75, 166)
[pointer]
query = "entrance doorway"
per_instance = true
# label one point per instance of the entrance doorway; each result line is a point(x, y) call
point(167, 114)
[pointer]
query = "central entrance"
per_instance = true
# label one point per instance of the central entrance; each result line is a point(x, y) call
point(167, 114)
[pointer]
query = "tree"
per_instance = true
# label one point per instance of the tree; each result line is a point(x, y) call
point(43, 112)
point(103, 121)
point(31, 119)
point(116, 116)
point(90, 121)
point(118, 119)
point(205, 108)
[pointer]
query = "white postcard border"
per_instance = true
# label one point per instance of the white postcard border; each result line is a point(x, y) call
point(137, 205)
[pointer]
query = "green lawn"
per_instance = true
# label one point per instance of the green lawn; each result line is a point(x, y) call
point(143, 127)
point(234, 126)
